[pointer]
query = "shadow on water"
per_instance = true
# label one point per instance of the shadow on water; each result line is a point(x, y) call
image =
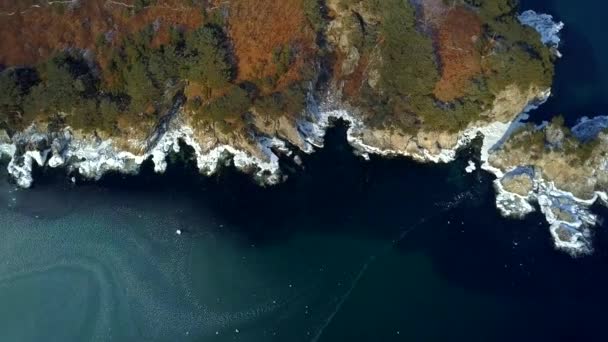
point(334, 192)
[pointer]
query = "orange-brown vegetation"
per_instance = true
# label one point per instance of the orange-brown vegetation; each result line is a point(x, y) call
point(458, 35)
point(258, 28)
point(354, 81)
point(30, 34)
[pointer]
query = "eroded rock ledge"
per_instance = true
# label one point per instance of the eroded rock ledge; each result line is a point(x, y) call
point(562, 170)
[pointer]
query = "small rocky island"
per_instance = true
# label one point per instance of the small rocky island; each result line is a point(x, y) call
point(100, 85)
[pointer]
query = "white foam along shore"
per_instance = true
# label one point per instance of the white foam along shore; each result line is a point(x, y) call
point(493, 134)
point(572, 236)
point(569, 217)
point(570, 229)
point(545, 25)
point(93, 158)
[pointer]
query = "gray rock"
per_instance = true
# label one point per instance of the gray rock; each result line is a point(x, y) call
point(519, 181)
point(554, 136)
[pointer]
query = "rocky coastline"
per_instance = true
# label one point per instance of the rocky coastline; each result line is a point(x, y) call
point(518, 187)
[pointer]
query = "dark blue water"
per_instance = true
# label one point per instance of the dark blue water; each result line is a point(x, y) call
point(581, 83)
point(345, 250)
point(386, 250)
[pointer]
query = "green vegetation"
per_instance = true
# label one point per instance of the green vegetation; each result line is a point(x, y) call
point(314, 13)
point(137, 77)
point(282, 57)
point(511, 52)
point(229, 106)
point(139, 5)
point(534, 141)
point(11, 97)
point(64, 79)
point(270, 106)
point(292, 100)
point(205, 60)
point(409, 69)
point(135, 83)
point(582, 151)
point(530, 139)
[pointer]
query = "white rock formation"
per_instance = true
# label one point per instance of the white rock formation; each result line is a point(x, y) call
point(545, 25)
point(569, 217)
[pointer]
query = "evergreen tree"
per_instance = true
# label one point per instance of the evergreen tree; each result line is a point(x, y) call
point(206, 58)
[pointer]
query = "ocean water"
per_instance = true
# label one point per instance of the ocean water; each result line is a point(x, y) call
point(345, 250)
point(581, 81)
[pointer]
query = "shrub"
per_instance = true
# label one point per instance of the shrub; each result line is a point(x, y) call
point(282, 57)
point(230, 106)
point(140, 87)
point(271, 106)
point(65, 79)
point(139, 5)
point(314, 11)
point(10, 96)
point(206, 60)
point(513, 54)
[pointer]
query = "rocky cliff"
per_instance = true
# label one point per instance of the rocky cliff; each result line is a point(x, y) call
point(562, 170)
point(419, 79)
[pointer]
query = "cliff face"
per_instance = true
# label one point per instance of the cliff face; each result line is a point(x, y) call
point(241, 74)
point(571, 163)
point(255, 80)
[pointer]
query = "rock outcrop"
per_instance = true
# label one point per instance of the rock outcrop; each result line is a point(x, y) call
point(563, 171)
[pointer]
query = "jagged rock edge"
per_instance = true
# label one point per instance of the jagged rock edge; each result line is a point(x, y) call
point(92, 159)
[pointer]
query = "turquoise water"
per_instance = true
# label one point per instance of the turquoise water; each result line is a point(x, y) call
point(90, 264)
point(346, 250)
point(387, 250)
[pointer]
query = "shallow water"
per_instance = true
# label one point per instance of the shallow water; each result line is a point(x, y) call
point(346, 250)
